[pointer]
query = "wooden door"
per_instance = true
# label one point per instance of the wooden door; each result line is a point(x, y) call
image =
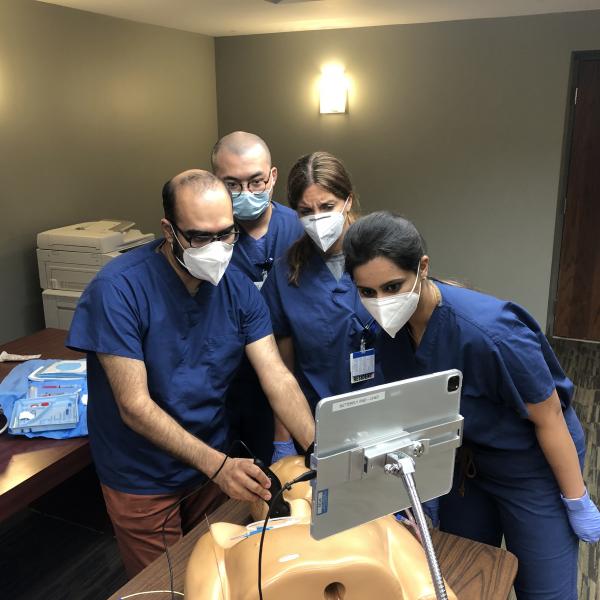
point(577, 310)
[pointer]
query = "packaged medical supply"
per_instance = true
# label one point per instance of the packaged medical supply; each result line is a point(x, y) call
point(45, 414)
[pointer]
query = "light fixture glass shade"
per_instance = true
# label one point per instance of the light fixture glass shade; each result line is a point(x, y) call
point(333, 90)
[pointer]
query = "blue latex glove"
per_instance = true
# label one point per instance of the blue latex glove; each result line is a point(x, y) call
point(432, 509)
point(283, 449)
point(584, 517)
point(401, 518)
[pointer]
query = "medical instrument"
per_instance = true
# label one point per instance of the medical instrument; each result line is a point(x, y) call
point(171, 508)
point(306, 476)
point(278, 507)
point(380, 559)
point(56, 412)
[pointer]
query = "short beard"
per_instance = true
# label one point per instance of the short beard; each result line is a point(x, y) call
point(177, 251)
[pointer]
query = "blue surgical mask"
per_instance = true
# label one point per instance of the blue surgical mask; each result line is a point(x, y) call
point(248, 206)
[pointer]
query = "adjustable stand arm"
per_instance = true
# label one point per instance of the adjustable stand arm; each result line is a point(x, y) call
point(402, 465)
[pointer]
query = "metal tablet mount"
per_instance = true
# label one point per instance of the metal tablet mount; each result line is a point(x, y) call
point(409, 429)
point(402, 465)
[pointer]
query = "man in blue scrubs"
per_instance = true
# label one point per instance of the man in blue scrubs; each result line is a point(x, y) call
point(267, 229)
point(165, 327)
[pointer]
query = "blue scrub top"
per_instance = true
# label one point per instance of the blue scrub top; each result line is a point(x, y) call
point(138, 307)
point(326, 321)
point(505, 359)
point(255, 257)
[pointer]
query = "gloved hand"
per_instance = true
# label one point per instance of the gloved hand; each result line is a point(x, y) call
point(400, 517)
point(432, 509)
point(283, 449)
point(584, 517)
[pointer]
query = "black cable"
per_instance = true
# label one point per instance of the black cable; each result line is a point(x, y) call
point(306, 476)
point(173, 506)
point(241, 443)
point(171, 509)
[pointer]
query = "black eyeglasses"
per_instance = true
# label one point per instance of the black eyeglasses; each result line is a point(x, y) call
point(254, 186)
point(199, 240)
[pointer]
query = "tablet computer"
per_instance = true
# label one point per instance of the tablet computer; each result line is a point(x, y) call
point(355, 433)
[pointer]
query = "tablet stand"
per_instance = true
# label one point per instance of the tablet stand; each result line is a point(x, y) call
point(402, 465)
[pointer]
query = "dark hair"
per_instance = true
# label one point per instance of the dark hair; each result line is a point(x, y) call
point(202, 180)
point(385, 234)
point(327, 171)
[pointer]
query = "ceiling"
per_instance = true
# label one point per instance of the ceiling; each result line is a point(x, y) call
point(243, 17)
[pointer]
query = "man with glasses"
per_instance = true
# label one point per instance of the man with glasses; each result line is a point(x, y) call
point(267, 229)
point(165, 327)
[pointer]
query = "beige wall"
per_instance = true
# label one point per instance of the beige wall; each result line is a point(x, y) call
point(95, 114)
point(457, 125)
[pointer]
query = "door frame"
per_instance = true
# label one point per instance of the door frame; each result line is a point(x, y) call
point(577, 58)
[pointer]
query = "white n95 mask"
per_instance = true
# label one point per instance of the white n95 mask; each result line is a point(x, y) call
point(209, 262)
point(393, 312)
point(325, 229)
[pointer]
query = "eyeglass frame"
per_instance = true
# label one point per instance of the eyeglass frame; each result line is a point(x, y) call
point(210, 237)
point(235, 194)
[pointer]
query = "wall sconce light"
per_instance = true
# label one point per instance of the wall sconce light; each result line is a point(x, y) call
point(333, 90)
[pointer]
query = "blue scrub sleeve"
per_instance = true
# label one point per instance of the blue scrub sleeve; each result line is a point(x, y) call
point(106, 321)
point(271, 293)
point(257, 322)
point(524, 375)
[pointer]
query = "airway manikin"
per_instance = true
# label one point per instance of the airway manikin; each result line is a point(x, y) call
point(393, 312)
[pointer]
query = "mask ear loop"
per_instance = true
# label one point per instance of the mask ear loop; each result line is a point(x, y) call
point(182, 248)
point(272, 185)
point(175, 237)
point(344, 207)
point(417, 279)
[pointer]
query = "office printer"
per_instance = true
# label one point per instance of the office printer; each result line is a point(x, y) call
point(69, 257)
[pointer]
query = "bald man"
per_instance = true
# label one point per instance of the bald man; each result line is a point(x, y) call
point(267, 229)
point(165, 327)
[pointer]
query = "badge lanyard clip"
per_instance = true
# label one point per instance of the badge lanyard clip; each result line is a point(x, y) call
point(266, 267)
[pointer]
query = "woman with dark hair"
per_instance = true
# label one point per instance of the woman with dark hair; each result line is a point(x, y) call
point(522, 456)
point(324, 334)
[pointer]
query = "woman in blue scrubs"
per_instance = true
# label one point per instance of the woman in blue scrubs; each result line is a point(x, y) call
point(519, 470)
point(317, 316)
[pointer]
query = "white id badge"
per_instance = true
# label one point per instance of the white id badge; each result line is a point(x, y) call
point(362, 365)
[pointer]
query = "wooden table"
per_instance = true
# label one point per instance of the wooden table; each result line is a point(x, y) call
point(31, 467)
point(474, 571)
